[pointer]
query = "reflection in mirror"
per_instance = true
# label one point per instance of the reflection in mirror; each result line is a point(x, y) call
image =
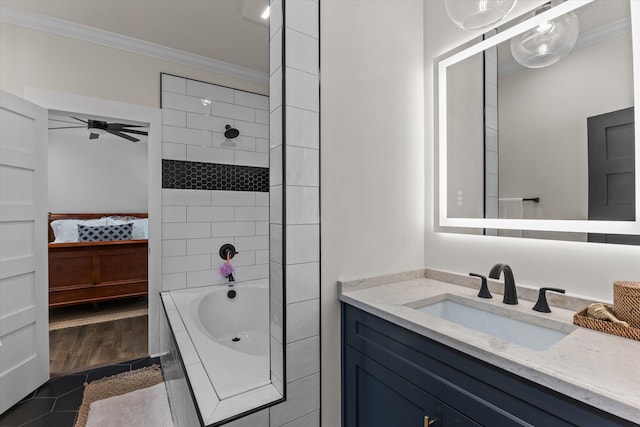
point(551, 143)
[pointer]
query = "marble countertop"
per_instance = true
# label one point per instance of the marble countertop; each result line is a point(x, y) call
point(599, 369)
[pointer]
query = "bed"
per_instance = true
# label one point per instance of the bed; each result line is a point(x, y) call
point(97, 257)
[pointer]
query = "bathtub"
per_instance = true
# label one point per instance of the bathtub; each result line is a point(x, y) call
point(222, 345)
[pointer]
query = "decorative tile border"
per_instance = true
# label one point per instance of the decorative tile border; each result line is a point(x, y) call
point(185, 175)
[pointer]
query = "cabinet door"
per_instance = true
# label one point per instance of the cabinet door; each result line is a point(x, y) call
point(453, 418)
point(376, 397)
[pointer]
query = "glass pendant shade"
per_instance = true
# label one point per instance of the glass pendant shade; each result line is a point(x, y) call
point(545, 44)
point(476, 14)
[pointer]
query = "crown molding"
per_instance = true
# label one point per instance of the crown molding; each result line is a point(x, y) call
point(130, 44)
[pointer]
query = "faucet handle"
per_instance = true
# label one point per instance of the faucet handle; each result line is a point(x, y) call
point(484, 288)
point(541, 305)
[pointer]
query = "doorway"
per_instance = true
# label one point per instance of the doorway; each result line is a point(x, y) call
point(97, 183)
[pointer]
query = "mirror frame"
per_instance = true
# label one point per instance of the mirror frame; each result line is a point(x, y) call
point(584, 226)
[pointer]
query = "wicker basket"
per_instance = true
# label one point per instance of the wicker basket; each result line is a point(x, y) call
point(581, 319)
point(626, 302)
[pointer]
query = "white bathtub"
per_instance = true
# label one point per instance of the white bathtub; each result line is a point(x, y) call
point(224, 346)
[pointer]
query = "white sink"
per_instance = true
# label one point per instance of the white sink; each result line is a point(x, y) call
point(496, 321)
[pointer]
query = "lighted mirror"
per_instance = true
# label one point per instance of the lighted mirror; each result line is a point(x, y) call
point(547, 152)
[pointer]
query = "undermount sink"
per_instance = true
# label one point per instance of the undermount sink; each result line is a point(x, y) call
point(496, 321)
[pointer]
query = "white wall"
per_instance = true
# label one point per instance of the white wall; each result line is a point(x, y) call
point(106, 175)
point(372, 172)
point(582, 268)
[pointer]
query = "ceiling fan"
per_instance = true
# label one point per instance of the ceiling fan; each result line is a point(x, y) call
point(96, 127)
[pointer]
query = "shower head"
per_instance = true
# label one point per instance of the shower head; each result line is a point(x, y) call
point(230, 132)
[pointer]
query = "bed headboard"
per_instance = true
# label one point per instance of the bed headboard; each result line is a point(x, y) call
point(55, 216)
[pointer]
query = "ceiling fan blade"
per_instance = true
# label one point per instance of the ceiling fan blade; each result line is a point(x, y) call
point(119, 126)
point(80, 120)
point(93, 135)
point(69, 127)
point(122, 135)
point(62, 121)
point(136, 132)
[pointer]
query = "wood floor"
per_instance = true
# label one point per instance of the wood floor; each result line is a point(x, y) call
point(89, 346)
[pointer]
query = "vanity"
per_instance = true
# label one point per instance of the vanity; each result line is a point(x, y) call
point(407, 359)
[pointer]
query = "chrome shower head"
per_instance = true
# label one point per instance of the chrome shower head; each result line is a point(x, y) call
point(230, 132)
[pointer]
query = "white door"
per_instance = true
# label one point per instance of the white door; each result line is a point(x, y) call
point(24, 316)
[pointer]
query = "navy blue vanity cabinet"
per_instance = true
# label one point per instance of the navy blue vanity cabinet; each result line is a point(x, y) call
point(393, 377)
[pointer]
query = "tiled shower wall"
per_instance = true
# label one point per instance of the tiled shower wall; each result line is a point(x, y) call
point(214, 189)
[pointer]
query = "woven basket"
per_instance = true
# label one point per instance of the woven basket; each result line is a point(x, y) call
point(626, 302)
point(581, 319)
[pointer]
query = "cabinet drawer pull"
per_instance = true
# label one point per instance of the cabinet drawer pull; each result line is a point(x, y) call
point(428, 422)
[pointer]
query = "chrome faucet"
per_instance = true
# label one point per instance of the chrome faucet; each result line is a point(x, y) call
point(510, 293)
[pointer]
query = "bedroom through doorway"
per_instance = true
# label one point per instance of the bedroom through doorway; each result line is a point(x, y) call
point(98, 241)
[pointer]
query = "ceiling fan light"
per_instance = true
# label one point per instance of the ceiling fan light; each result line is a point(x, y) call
point(547, 43)
point(477, 14)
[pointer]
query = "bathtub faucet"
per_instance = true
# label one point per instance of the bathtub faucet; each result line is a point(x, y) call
point(231, 279)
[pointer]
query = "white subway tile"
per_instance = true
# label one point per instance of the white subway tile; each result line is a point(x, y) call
point(262, 257)
point(184, 264)
point(251, 272)
point(176, 101)
point(276, 320)
point(275, 166)
point(275, 50)
point(275, 243)
point(174, 281)
point(303, 166)
point(172, 151)
point(301, 51)
point(303, 205)
point(253, 213)
point(230, 229)
point(174, 248)
point(309, 420)
point(174, 214)
point(233, 198)
point(190, 230)
point(186, 136)
point(210, 213)
point(256, 130)
point(242, 258)
point(262, 117)
point(174, 84)
point(252, 100)
point(262, 145)
point(204, 278)
point(262, 228)
point(244, 143)
point(303, 397)
point(249, 158)
point(275, 205)
point(303, 358)
point(252, 243)
point(302, 90)
point(233, 112)
point(210, 155)
point(275, 283)
point(302, 15)
point(303, 128)
point(206, 246)
point(174, 117)
point(303, 282)
point(303, 243)
point(210, 91)
point(262, 198)
point(257, 419)
point(277, 357)
point(275, 127)
point(303, 320)
point(206, 122)
point(275, 17)
point(275, 90)
point(171, 196)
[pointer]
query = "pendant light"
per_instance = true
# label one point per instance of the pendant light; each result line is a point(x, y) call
point(545, 44)
point(477, 14)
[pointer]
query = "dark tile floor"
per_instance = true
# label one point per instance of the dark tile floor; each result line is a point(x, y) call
point(56, 403)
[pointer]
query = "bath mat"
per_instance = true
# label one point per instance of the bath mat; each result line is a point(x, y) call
point(79, 315)
point(116, 385)
point(147, 407)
